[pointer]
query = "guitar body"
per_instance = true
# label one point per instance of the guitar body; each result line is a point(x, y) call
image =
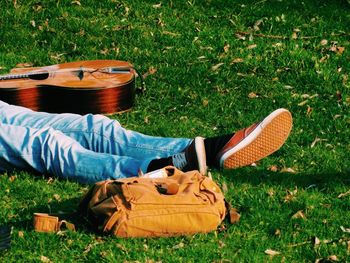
point(96, 86)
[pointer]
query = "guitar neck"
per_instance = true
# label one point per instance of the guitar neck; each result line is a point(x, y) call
point(14, 76)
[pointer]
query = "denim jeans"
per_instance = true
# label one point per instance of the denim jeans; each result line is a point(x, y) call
point(86, 148)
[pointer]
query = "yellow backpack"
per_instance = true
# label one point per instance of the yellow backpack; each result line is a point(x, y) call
point(180, 204)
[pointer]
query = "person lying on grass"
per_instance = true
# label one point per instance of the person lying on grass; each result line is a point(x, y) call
point(93, 148)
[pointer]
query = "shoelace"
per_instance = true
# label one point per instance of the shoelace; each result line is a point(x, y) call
point(179, 160)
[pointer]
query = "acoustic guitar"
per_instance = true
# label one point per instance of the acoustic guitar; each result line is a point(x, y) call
point(96, 86)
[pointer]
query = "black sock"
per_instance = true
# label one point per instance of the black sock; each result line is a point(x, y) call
point(212, 147)
point(159, 163)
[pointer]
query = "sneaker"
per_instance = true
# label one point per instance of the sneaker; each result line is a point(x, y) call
point(257, 141)
point(192, 158)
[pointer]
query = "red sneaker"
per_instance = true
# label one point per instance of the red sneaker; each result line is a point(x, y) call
point(257, 141)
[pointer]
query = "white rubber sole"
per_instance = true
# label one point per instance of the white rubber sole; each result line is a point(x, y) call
point(265, 139)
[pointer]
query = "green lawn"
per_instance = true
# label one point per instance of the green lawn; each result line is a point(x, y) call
point(214, 67)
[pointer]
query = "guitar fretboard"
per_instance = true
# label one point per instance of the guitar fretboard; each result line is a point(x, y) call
point(14, 76)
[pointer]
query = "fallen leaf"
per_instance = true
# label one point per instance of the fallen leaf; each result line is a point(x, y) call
point(252, 46)
point(340, 50)
point(290, 195)
point(277, 232)
point(45, 259)
point(57, 197)
point(226, 48)
point(178, 246)
point(205, 103)
point(32, 22)
point(348, 246)
point(257, 24)
point(344, 194)
point(76, 2)
point(24, 65)
point(299, 215)
point(252, 95)
point(215, 67)
point(288, 170)
point(339, 96)
point(157, 5)
point(316, 241)
point(333, 258)
point(273, 168)
point(237, 60)
point(151, 71)
point(240, 37)
point(234, 216)
point(20, 234)
point(272, 252)
point(12, 178)
point(303, 103)
point(324, 58)
point(308, 111)
point(324, 42)
point(345, 230)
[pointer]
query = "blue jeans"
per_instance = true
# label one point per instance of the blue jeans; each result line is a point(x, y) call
point(87, 148)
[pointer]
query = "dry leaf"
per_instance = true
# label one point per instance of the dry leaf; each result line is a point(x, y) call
point(333, 258)
point(324, 42)
point(20, 234)
point(348, 246)
point(239, 36)
point(340, 50)
point(205, 103)
point(345, 230)
point(339, 96)
point(272, 252)
point(226, 48)
point(234, 216)
point(57, 197)
point(288, 170)
point(277, 232)
point(45, 259)
point(257, 24)
point(273, 168)
point(303, 103)
point(344, 194)
point(316, 241)
point(215, 67)
point(270, 192)
point(324, 58)
point(151, 71)
point(24, 65)
point(299, 214)
point(76, 2)
point(290, 195)
point(157, 5)
point(308, 111)
point(252, 95)
point(237, 60)
point(178, 246)
point(12, 178)
point(252, 46)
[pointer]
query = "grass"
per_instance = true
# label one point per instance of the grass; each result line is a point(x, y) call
point(211, 80)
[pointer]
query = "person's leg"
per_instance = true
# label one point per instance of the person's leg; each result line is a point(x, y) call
point(96, 132)
point(49, 151)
